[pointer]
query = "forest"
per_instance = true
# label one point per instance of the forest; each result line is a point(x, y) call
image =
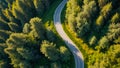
point(97, 24)
point(25, 42)
point(28, 38)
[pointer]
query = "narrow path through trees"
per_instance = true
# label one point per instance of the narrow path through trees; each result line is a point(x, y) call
point(79, 62)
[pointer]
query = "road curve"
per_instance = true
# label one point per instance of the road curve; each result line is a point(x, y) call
point(79, 62)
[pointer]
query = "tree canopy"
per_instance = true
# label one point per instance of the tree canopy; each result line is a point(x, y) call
point(97, 23)
point(25, 42)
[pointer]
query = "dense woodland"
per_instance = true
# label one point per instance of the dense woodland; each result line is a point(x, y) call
point(24, 40)
point(26, 43)
point(97, 22)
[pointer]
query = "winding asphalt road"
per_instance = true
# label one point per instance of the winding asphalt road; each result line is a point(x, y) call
point(79, 62)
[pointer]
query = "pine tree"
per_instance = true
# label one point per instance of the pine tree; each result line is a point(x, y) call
point(3, 64)
point(3, 17)
point(104, 42)
point(105, 11)
point(4, 60)
point(100, 20)
point(14, 27)
point(26, 28)
point(39, 7)
point(93, 40)
point(10, 1)
point(70, 15)
point(18, 14)
point(37, 28)
point(24, 9)
point(3, 4)
point(65, 54)
point(8, 14)
point(114, 31)
point(25, 64)
point(4, 35)
point(115, 18)
point(3, 25)
point(50, 35)
point(102, 3)
point(49, 50)
point(21, 46)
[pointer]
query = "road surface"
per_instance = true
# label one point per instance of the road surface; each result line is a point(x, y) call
point(78, 57)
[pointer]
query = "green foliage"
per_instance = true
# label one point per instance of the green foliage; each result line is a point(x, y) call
point(3, 4)
point(37, 28)
point(25, 64)
point(117, 41)
point(105, 11)
point(26, 28)
point(70, 16)
point(102, 3)
point(97, 24)
point(22, 32)
point(3, 25)
point(22, 39)
point(14, 27)
point(83, 29)
point(93, 40)
point(39, 6)
point(71, 20)
point(55, 65)
point(49, 50)
point(28, 54)
point(79, 21)
point(21, 6)
point(3, 56)
point(10, 1)
point(65, 54)
point(53, 53)
point(89, 9)
point(21, 46)
point(3, 64)
point(114, 31)
point(115, 18)
point(104, 42)
point(114, 56)
point(4, 61)
point(50, 35)
point(18, 14)
point(4, 35)
point(104, 60)
point(21, 11)
point(100, 20)
point(8, 14)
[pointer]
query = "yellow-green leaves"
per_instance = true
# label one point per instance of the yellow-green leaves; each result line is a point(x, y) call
point(116, 18)
point(106, 9)
point(100, 20)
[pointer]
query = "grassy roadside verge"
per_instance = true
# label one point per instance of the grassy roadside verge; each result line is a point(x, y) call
point(48, 22)
point(79, 42)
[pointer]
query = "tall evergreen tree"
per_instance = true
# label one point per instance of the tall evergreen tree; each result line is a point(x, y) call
point(4, 61)
point(26, 28)
point(14, 27)
point(3, 25)
point(4, 35)
point(21, 48)
point(37, 28)
point(49, 50)
point(39, 6)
